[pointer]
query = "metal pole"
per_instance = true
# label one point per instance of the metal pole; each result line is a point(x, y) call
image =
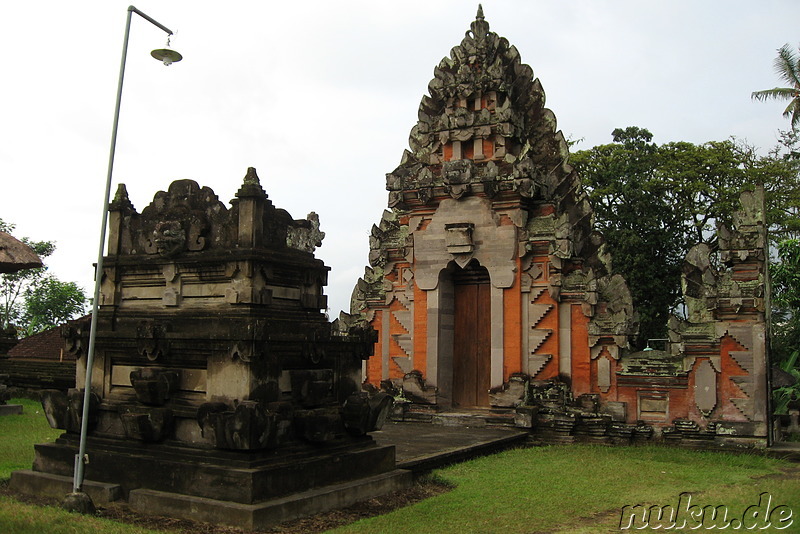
point(150, 19)
point(98, 275)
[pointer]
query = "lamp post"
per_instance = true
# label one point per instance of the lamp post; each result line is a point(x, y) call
point(167, 56)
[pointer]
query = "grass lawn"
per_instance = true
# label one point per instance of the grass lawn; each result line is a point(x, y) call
point(563, 489)
point(18, 433)
point(572, 489)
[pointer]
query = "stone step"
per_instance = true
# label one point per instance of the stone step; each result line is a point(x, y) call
point(418, 417)
point(423, 408)
point(268, 513)
point(57, 486)
point(475, 419)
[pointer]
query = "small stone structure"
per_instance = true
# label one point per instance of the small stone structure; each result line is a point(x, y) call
point(490, 288)
point(5, 396)
point(219, 390)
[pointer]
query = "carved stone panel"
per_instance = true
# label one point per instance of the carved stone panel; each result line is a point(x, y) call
point(705, 387)
point(458, 237)
point(603, 374)
point(495, 246)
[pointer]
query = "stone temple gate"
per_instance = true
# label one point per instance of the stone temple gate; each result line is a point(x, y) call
point(489, 287)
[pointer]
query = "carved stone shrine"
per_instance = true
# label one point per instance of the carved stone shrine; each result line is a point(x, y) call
point(490, 289)
point(219, 390)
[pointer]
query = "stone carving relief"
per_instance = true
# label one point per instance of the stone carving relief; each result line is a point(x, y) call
point(151, 341)
point(305, 234)
point(705, 388)
point(494, 245)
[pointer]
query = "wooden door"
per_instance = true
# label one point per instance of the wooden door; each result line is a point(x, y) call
point(472, 338)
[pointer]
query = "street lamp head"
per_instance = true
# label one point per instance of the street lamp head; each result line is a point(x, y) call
point(166, 55)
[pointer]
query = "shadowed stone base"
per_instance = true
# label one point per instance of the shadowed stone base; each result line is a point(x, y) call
point(249, 489)
point(262, 515)
point(251, 516)
point(10, 409)
point(238, 476)
point(78, 502)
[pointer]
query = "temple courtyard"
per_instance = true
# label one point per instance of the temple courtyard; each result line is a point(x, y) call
point(542, 489)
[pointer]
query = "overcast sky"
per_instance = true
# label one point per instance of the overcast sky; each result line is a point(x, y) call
point(320, 97)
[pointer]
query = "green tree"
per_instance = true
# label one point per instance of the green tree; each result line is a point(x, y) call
point(633, 210)
point(654, 202)
point(786, 319)
point(52, 302)
point(787, 66)
point(14, 285)
point(782, 191)
point(16, 288)
point(785, 275)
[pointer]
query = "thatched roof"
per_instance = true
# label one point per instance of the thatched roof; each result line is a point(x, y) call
point(16, 255)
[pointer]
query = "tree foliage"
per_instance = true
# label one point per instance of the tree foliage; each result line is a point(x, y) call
point(52, 302)
point(653, 202)
point(787, 67)
point(785, 275)
point(25, 294)
point(785, 344)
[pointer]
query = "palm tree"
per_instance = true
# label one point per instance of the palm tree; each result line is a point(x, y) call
point(787, 65)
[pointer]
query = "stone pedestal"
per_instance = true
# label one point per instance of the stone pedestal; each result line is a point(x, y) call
point(248, 490)
point(218, 384)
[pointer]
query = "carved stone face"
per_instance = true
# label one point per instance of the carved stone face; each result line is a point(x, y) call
point(169, 238)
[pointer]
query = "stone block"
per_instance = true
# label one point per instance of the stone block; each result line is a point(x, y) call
point(153, 385)
point(617, 410)
point(265, 514)
point(10, 409)
point(510, 394)
point(741, 429)
point(5, 393)
point(363, 413)
point(525, 416)
point(311, 388)
point(415, 389)
point(318, 425)
point(145, 423)
point(247, 426)
point(65, 411)
point(57, 486)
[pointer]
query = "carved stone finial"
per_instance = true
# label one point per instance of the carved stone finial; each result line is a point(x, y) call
point(121, 199)
point(251, 185)
point(251, 177)
point(480, 28)
point(121, 194)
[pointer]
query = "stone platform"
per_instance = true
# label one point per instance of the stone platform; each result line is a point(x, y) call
point(243, 489)
point(250, 516)
point(421, 447)
point(418, 447)
point(10, 409)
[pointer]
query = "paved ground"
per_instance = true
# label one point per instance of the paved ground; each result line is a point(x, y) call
point(423, 446)
point(788, 450)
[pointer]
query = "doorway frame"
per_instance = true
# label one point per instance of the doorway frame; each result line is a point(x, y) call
point(441, 322)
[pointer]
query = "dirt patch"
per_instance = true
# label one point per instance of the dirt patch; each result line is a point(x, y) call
point(421, 490)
